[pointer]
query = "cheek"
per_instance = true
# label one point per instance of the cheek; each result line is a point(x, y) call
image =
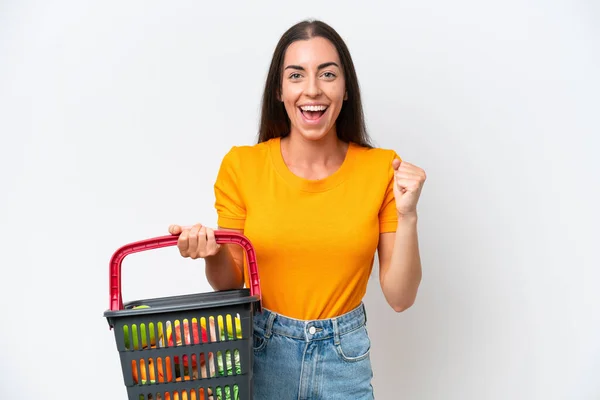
point(290, 107)
point(289, 97)
point(337, 93)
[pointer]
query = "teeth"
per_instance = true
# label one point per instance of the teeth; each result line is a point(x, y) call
point(313, 108)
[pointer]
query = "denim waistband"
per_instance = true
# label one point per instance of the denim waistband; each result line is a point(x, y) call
point(269, 322)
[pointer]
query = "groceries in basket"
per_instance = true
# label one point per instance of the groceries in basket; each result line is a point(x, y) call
point(196, 366)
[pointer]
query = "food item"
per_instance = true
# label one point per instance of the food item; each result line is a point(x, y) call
point(163, 371)
point(224, 334)
point(230, 330)
point(184, 396)
point(186, 333)
point(236, 362)
point(187, 339)
point(143, 329)
point(225, 394)
point(195, 331)
point(135, 335)
point(143, 372)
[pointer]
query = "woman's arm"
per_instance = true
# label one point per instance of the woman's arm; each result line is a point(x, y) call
point(225, 270)
point(400, 263)
point(399, 258)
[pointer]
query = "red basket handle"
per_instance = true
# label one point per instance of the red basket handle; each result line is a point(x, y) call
point(116, 300)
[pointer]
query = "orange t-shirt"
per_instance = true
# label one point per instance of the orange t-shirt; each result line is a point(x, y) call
point(315, 240)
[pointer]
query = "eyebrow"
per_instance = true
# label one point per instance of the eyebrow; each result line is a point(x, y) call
point(321, 66)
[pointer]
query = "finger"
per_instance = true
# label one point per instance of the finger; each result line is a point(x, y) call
point(175, 229)
point(212, 246)
point(407, 184)
point(407, 175)
point(411, 176)
point(413, 169)
point(396, 163)
point(406, 163)
point(182, 243)
point(408, 167)
point(193, 240)
point(202, 251)
point(409, 164)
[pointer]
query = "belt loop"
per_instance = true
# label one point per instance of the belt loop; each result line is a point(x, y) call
point(364, 309)
point(269, 325)
point(336, 331)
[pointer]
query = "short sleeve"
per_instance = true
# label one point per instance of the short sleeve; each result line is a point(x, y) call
point(388, 216)
point(229, 203)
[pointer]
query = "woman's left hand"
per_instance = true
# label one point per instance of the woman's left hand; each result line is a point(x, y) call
point(408, 183)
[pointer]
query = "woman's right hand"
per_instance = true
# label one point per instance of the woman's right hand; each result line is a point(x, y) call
point(197, 241)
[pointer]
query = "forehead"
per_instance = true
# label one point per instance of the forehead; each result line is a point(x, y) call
point(311, 52)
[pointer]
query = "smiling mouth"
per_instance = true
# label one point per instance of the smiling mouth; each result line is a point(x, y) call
point(313, 113)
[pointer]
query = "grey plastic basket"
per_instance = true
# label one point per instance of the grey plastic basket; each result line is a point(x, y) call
point(189, 347)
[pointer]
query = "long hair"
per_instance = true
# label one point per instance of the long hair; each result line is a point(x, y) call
point(274, 121)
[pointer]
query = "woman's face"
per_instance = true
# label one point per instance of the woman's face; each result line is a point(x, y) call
point(313, 87)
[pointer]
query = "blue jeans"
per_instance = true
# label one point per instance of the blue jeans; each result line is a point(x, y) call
point(324, 359)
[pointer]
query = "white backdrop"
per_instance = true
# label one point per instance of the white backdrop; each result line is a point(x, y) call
point(114, 117)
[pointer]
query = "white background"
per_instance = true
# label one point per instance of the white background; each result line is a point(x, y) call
point(114, 117)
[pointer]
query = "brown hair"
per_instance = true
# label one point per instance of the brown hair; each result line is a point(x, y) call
point(274, 121)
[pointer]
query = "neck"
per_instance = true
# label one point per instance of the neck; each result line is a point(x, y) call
point(300, 151)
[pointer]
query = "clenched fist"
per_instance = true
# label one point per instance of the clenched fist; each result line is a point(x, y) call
point(408, 183)
point(197, 241)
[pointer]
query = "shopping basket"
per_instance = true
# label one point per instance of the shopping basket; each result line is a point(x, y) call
point(187, 347)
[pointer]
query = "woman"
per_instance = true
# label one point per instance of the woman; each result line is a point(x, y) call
point(316, 200)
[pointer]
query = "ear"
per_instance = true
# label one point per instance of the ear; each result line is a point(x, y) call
point(346, 96)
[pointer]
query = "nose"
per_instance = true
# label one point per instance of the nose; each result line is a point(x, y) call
point(312, 87)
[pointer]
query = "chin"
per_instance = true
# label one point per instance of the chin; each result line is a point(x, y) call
point(314, 135)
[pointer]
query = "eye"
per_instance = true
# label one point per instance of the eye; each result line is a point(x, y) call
point(295, 75)
point(328, 75)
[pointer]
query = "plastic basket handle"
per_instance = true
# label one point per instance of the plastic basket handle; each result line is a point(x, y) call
point(116, 299)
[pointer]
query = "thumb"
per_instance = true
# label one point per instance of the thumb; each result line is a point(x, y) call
point(175, 229)
point(396, 164)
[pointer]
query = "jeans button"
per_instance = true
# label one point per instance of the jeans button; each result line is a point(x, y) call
point(312, 330)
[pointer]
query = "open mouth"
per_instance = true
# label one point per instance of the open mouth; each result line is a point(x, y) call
point(313, 113)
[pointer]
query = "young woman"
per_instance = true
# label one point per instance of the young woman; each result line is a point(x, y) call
point(316, 200)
